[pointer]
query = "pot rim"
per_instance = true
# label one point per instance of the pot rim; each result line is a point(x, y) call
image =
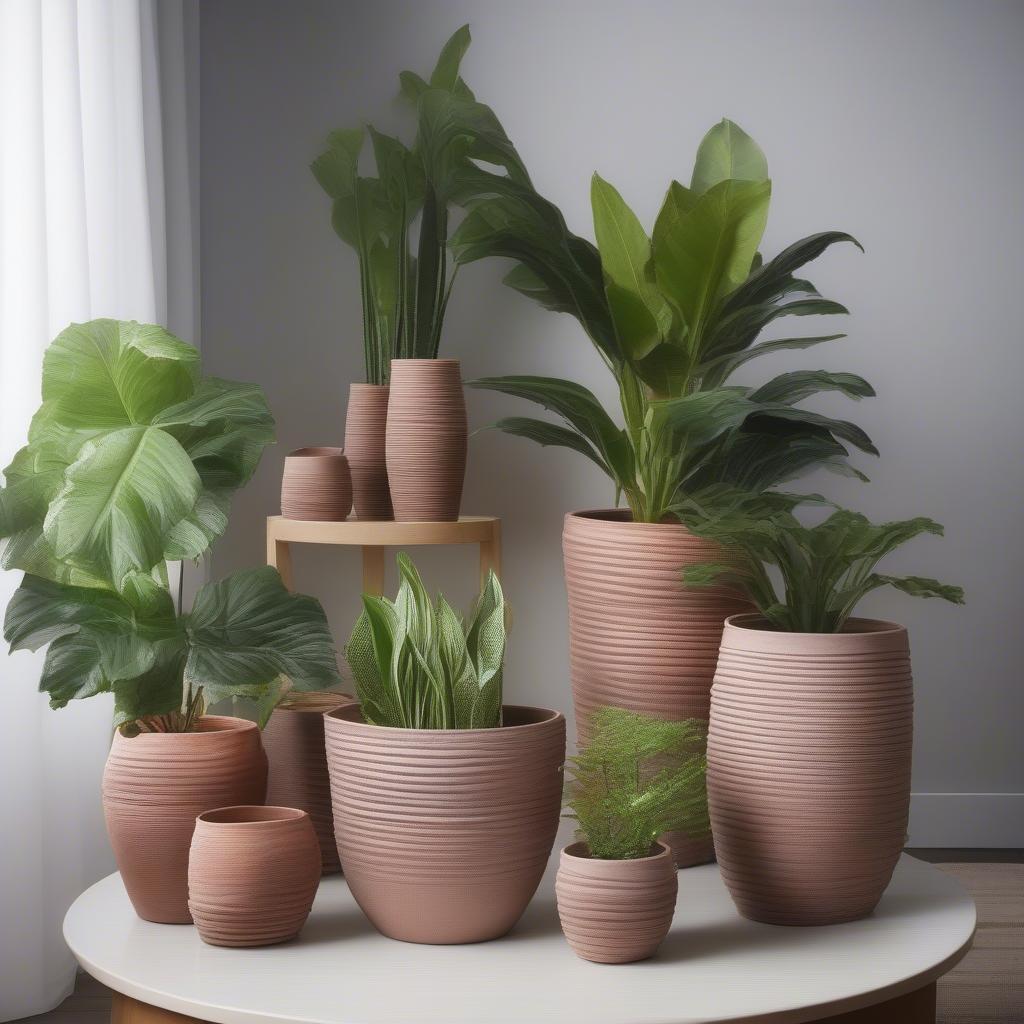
point(251, 815)
point(750, 623)
point(218, 725)
point(341, 714)
point(312, 709)
point(572, 851)
point(623, 517)
point(433, 362)
point(360, 384)
point(317, 452)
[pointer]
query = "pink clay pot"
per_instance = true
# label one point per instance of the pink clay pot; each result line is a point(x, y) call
point(252, 875)
point(615, 911)
point(316, 485)
point(809, 767)
point(365, 431)
point(154, 786)
point(444, 834)
point(639, 639)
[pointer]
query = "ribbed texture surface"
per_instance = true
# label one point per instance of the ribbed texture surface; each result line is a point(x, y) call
point(615, 911)
point(809, 768)
point(426, 439)
point(365, 429)
point(155, 784)
point(252, 882)
point(637, 638)
point(316, 485)
point(444, 835)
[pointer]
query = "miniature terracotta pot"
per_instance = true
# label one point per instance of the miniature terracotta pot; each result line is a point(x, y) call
point(444, 834)
point(154, 786)
point(809, 767)
point(426, 439)
point(316, 485)
point(615, 911)
point(294, 742)
point(639, 639)
point(252, 874)
point(365, 430)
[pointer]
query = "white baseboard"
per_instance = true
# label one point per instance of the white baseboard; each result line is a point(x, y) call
point(967, 820)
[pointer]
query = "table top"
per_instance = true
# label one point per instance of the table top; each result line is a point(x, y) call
point(381, 533)
point(714, 966)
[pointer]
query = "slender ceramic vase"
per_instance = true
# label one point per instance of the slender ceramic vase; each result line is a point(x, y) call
point(155, 784)
point(444, 834)
point(316, 485)
point(365, 429)
point(426, 439)
point(252, 874)
point(638, 639)
point(615, 911)
point(809, 767)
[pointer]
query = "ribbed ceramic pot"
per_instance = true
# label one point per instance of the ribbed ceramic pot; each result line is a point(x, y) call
point(426, 439)
point(809, 767)
point(639, 639)
point(154, 786)
point(316, 485)
point(252, 874)
point(294, 742)
point(444, 834)
point(615, 911)
point(365, 431)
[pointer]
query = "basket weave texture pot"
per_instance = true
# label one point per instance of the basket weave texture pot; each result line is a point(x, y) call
point(365, 430)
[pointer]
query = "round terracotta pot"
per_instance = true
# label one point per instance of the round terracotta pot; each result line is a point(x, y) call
point(809, 767)
point(365, 429)
point(154, 786)
point(639, 639)
point(444, 834)
point(252, 874)
point(426, 439)
point(294, 742)
point(615, 911)
point(316, 485)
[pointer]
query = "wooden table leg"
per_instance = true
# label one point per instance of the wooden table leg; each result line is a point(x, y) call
point(373, 570)
point(279, 555)
point(913, 1008)
point(490, 553)
point(125, 1010)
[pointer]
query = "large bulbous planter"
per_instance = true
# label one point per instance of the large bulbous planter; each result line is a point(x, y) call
point(426, 439)
point(365, 431)
point(639, 639)
point(154, 786)
point(444, 834)
point(809, 755)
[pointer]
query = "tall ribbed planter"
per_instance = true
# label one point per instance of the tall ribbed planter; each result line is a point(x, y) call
point(638, 639)
point(809, 767)
point(365, 429)
point(426, 439)
point(155, 784)
point(444, 834)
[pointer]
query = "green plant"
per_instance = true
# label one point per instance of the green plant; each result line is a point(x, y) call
point(417, 666)
point(637, 778)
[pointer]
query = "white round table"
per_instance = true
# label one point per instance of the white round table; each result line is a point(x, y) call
point(714, 966)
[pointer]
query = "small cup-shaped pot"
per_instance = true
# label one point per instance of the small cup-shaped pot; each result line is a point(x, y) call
point(365, 431)
point(426, 439)
point(615, 911)
point(316, 485)
point(154, 786)
point(252, 874)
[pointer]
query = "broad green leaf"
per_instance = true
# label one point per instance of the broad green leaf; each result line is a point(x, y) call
point(446, 72)
point(727, 153)
point(703, 416)
point(551, 434)
point(844, 430)
point(336, 168)
point(795, 386)
point(721, 367)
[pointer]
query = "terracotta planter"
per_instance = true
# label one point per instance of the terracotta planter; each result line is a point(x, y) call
point(637, 638)
point(809, 768)
point(615, 911)
point(444, 834)
point(294, 742)
point(252, 875)
point(365, 428)
point(426, 439)
point(316, 485)
point(155, 784)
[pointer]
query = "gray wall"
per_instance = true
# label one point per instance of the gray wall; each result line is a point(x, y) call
point(897, 122)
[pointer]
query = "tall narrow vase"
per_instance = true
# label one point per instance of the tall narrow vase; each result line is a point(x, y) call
point(365, 428)
point(426, 439)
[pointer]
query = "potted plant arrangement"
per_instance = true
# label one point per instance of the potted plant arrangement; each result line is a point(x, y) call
point(131, 461)
point(445, 801)
point(637, 778)
point(811, 728)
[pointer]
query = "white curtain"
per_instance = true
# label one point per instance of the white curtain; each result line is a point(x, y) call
point(96, 219)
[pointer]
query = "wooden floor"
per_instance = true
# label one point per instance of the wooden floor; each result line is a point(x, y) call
point(986, 988)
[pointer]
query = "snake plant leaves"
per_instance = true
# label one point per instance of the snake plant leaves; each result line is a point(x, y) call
point(727, 153)
point(479, 703)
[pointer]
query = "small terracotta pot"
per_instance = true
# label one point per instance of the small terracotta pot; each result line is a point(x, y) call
point(316, 485)
point(365, 430)
point(444, 834)
point(294, 742)
point(809, 767)
point(615, 911)
point(252, 874)
point(154, 786)
point(426, 439)
point(639, 639)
